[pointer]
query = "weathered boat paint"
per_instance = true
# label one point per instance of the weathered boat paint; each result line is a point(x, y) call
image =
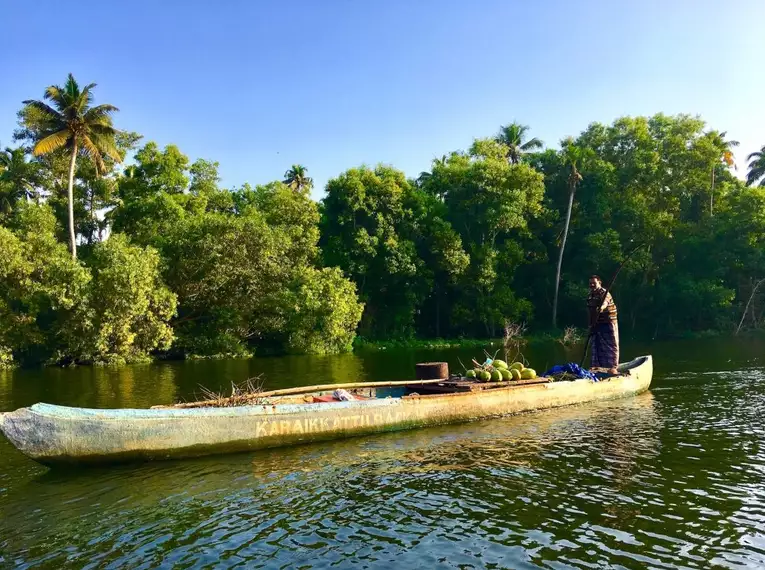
point(55, 435)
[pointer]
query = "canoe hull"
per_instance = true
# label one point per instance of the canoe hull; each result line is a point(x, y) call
point(55, 435)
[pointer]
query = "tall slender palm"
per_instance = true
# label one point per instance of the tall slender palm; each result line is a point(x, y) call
point(72, 124)
point(297, 178)
point(756, 168)
point(20, 179)
point(726, 148)
point(573, 156)
point(512, 136)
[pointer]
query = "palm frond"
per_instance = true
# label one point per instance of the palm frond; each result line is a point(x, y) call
point(58, 96)
point(721, 138)
point(90, 148)
point(105, 145)
point(532, 144)
point(758, 155)
point(85, 99)
point(754, 175)
point(99, 113)
point(103, 131)
point(71, 88)
point(52, 92)
point(48, 112)
point(52, 142)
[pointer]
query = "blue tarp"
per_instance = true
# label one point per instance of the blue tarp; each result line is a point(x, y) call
point(571, 368)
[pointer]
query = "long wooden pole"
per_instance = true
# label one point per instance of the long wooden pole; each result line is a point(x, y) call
point(306, 390)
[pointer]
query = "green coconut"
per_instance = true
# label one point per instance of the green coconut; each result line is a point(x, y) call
point(528, 374)
point(499, 364)
point(470, 374)
point(506, 375)
point(496, 376)
point(515, 373)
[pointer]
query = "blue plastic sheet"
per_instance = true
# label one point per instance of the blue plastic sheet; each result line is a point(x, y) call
point(571, 368)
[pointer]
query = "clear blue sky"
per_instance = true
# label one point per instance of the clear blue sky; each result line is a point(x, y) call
point(333, 84)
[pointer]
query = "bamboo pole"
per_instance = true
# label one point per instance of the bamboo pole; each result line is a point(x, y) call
point(303, 390)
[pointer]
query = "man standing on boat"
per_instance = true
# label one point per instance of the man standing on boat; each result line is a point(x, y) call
point(604, 326)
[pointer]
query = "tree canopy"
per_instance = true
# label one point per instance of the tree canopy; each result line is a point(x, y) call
point(174, 264)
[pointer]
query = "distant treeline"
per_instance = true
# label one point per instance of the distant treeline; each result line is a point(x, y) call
point(102, 262)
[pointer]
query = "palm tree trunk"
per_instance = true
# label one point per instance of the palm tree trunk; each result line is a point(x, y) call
point(70, 198)
point(93, 218)
point(560, 255)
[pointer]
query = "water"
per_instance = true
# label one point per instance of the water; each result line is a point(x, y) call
point(674, 478)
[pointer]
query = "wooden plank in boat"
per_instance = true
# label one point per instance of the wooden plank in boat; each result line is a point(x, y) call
point(467, 385)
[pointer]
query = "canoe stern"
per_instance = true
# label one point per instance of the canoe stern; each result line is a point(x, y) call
point(33, 435)
point(15, 426)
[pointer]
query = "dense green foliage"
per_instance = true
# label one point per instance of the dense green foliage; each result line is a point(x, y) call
point(171, 263)
point(242, 263)
point(130, 306)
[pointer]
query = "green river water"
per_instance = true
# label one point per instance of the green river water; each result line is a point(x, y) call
point(673, 478)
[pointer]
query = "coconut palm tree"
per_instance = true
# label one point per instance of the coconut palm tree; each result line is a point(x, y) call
point(573, 157)
point(423, 178)
point(19, 179)
point(512, 136)
point(297, 178)
point(756, 168)
point(726, 148)
point(71, 123)
point(426, 175)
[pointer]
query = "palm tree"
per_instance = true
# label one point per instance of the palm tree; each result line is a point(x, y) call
point(756, 167)
point(512, 136)
point(423, 178)
point(426, 175)
point(725, 147)
point(72, 123)
point(20, 179)
point(573, 156)
point(297, 178)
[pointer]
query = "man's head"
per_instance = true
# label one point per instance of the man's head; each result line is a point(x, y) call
point(595, 282)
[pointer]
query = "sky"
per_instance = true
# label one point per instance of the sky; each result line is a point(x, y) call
point(334, 84)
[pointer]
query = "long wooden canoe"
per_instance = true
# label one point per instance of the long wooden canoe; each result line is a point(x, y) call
point(54, 435)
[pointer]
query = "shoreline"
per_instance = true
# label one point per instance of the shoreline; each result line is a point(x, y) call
point(361, 345)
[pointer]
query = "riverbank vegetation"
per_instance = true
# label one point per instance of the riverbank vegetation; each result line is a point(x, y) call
point(117, 250)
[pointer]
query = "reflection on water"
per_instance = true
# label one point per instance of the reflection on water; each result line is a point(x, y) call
point(674, 478)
